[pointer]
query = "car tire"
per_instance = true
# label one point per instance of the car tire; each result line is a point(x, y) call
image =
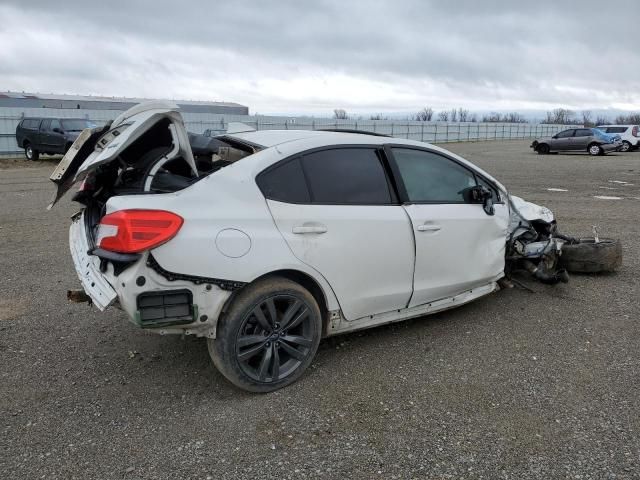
point(268, 336)
point(31, 153)
point(586, 256)
point(542, 149)
point(594, 150)
point(626, 146)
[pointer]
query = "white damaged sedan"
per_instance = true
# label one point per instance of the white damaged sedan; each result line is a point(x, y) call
point(266, 241)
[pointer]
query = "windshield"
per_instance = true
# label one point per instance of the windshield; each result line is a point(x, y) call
point(77, 125)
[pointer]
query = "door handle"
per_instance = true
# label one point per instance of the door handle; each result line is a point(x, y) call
point(309, 228)
point(428, 228)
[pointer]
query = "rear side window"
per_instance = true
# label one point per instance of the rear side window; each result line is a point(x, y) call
point(431, 178)
point(583, 132)
point(285, 183)
point(31, 123)
point(615, 129)
point(352, 176)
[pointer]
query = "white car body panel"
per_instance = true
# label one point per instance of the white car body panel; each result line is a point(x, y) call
point(458, 247)
point(365, 252)
point(232, 202)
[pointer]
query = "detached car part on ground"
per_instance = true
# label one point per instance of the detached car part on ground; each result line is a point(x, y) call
point(264, 242)
point(589, 140)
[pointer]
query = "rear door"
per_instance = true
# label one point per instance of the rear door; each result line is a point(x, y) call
point(338, 214)
point(41, 136)
point(458, 245)
point(581, 139)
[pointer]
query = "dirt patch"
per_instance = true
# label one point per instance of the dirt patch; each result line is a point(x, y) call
point(21, 162)
point(10, 309)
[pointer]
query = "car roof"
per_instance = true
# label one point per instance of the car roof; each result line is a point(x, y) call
point(626, 126)
point(270, 138)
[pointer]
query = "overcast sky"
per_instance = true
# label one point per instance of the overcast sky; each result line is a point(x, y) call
point(314, 56)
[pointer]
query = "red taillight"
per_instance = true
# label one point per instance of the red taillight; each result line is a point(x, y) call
point(131, 231)
point(634, 132)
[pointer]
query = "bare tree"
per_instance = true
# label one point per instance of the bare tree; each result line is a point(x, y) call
point(493, 117)
point(560, 116)
point(633, 118)
point(463, 115)
point(586, 118)
point(378, 116)
point(424, 115)
point(602, 120)
point(453, 115)
point(340, 114)
point(473, 118)
point(443, 116)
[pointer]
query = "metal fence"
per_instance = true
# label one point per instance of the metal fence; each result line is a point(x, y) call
point(432, 132)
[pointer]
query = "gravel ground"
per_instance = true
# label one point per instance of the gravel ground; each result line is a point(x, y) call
point(515, 385)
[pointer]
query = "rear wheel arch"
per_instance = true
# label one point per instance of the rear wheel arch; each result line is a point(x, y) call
point(324, 299)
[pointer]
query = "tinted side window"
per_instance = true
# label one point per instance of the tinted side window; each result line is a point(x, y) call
point(565, 134)
point(347, 176)
point(616, 129)
point(430, 177)
point(55, 123)
point(285, 183)
point(583, 132)
point(45, 124)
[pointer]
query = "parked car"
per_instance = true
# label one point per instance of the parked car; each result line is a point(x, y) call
point(288, 236)
point(48, 135)
point(590, 140)
point(630, 135)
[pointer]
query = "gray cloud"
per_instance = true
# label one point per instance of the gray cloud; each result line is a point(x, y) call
point(312, 56)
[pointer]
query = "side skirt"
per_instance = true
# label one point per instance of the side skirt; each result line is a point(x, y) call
point(338, 324)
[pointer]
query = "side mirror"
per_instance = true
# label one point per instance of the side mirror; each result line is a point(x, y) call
point(58, 130)
point(555, 137)
point(479, 194)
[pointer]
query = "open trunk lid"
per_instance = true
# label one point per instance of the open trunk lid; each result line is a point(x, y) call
point(96, 147)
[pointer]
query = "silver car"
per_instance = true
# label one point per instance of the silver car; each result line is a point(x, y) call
point(590, 140)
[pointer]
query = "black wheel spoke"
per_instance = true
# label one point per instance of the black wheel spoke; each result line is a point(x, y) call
point(262, 320)
point(298, 340)
point(264, 364)
point(275, 370)
point(249, 340)
point(292, 351)
point(250, 353)
point(288, 315)
point(271, 308)
point(297, 319)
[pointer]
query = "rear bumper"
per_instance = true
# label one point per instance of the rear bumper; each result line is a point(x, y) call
point(149, 299)
point(88, 266)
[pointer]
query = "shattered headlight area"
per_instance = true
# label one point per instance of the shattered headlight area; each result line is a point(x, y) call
point(534, 245)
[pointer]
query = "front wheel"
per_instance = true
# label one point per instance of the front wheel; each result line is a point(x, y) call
point(595, 149)
point(542, 149)
point(268, 337)
point(626, 146)
point(31, 153)
point(589, 256)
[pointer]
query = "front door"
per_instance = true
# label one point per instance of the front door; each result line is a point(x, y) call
point(458, 245)
point(562, 140)
point(336, 211)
